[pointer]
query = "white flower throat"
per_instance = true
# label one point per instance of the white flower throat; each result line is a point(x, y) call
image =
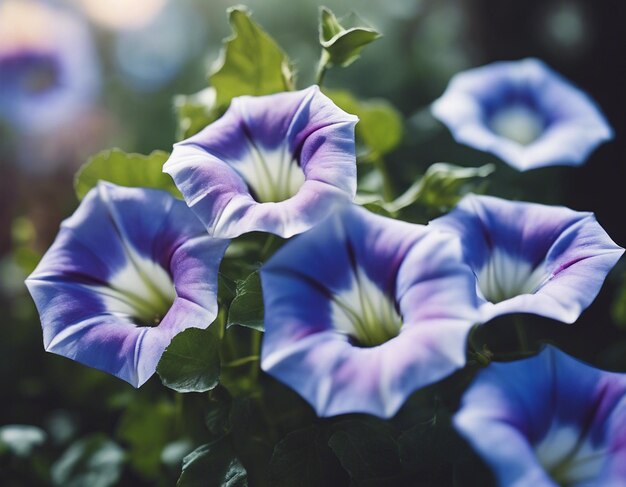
point(272, 176)
point(518, 123)
point(364, 312)
point(141, 291)
point(571, 460)
point(503, 277)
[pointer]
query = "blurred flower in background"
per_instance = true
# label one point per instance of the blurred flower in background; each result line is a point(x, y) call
point(155, 52)
point(49, 68)
point(523, 112)
point(121, 14)
point(49, 88)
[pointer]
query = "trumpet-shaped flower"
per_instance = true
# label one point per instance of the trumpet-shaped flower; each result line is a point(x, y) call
point(531, 258)
point(362, 310)
point(524, 113)
point(278, 163)
point(548, 420)
point(48, 64)
point(128, 271)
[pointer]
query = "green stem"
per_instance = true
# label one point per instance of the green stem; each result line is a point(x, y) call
point(521, 333)
point(241, 361)
point(221, 322)
point(471, 338)
point(267, 246)
point(322, 67)
point(255, 350)
point(379, 163)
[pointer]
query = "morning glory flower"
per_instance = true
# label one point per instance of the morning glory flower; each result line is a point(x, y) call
point(362, 310)
point(48, 63)
point(128, 271)
point(523, 112)
point(531, 258)
point(546, 421)
point(278, 163)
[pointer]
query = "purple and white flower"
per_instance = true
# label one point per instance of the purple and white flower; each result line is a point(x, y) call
point(548, 420)
point(277, 163)
point(531, 258)
point(129, 270)
point(49, 66)
point(362, 310)
point(523, 112)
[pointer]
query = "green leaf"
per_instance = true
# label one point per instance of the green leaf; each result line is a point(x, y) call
point(94, 461)
point(213, 465)
point(251, 63)
point(435, 453)
point(429, 445)
point(343, 45)
point(246, 308)
point(147, 427)
point(227, 288)
point(124, 169)
point(380, 125)
point(21, 439)
point(194, 112)
point(367, 450)
point(191, 362)
point(442, 186)
point(250, 435)
point(304, 459)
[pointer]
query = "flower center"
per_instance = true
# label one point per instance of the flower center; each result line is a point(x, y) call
point(271, 175)
point(504, 277)
point(142, 292)
point(518, 122)
point(31, 73)
point(569, 458)
point(365, 313)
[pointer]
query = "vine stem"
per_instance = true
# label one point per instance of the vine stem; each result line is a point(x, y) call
point(382, 168)
point(322, 67)
point(521, 334)
point(255, 350)
point(267, 246)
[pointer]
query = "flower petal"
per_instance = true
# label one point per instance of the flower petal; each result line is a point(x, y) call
point(546, 416)
point(573, 126)
point(278, 163)
point(531, 258)
point(357, 277)
point(126, 256)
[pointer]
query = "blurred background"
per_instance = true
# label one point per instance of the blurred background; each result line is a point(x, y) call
point(110, 72)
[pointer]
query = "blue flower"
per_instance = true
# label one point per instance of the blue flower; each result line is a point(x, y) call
point(48, 63)
point(524, 113)
point(278, 163)
point(531, 258)
point(362, 310)
point(128, 271)
point(548, 420)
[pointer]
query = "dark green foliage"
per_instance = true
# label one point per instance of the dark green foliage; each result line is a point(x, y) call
point(213, 465)
point(191, 363)
point(246, 308)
